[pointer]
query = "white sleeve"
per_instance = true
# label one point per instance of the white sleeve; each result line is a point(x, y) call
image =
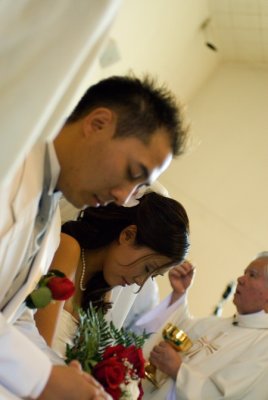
point(6, 394)
point(24, 369)
point(27, 326)
point(146, 300)
point(238, 379)
point(155, 318)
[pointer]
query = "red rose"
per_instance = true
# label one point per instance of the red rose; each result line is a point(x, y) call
point(135, 357)
point(114, 351)
point(61, 288)
point(133, 354)
point(110, 373)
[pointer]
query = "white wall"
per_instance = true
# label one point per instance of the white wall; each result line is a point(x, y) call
point(223, 182)
point(163, 38)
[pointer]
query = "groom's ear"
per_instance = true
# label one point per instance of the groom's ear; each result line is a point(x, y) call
point(97, 120)
point(128, 235)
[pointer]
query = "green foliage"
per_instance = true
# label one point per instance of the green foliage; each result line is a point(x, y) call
point(94, 334)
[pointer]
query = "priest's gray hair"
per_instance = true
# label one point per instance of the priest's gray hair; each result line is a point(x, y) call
point(263, 254)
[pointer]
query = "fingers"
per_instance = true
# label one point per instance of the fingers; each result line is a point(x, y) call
point(160, 355)
point(102, 396)
point(89, 378)
point(161, 346)
point(182, 270)
point(76, 365)
point(186, 267)
point(159, 349)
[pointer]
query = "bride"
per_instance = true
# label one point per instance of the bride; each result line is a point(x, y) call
point(113, 246)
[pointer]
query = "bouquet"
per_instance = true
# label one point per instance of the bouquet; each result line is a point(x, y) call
point(113, 356)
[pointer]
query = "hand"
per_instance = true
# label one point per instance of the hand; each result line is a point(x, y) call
point(166, 359)
point(72, 383)
point(181, 277)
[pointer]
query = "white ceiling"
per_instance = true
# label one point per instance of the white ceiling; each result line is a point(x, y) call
point(239, 29)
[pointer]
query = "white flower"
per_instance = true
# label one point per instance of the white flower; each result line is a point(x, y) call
point(130, 391)
point(154, 187)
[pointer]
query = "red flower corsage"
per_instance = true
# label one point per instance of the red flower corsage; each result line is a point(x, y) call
point(52, 286)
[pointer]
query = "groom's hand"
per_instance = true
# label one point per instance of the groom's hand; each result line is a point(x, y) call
point(72, 383)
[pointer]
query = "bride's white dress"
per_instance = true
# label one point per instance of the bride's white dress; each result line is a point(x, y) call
point(122, 299)
point(66, 329)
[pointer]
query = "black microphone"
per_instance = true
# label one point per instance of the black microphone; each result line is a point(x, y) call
point(226, 294)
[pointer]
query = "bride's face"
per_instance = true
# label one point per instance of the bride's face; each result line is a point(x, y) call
point(126, 263)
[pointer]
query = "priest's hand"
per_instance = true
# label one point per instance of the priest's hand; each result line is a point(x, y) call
point(166, 359)
point(180, 277)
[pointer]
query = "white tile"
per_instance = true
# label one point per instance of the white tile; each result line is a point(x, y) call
point(248, 7)
point(264, 36)
point(226, 49)
point(249, 53)
point(246, 21)
point(238, 6)
point(222, 6)
point(242, 36)
point(263, 6)
point(264, 21)
point(252, 6)
point(222, 21)
point(225, 35)
point(265, 52)
point(240, 29)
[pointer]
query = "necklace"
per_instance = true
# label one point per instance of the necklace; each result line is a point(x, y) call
point(81, 286)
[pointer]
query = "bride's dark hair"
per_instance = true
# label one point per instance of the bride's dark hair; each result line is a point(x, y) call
point(162, 225)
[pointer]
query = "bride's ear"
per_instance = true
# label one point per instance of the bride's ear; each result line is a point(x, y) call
point(128, 235)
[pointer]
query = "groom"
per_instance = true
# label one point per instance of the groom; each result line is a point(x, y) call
point(122, 134)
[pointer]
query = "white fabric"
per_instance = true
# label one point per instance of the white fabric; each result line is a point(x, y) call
point(152, 320)
point(16, 229)
point(18, 358)
point(26, 325)
point(66, 328)
point(226, 361)
point(122, 299)
point(146, 299)
point(47, 51)
point(6, 395)
point(18, 354)
point(55, 167)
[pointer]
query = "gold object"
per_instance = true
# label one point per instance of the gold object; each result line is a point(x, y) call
point(150, 372)
point(178, 339)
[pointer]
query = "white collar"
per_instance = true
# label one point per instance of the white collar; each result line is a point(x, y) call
point(257, 320)
point(54, 166)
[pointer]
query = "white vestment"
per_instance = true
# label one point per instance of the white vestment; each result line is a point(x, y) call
point(226, 361)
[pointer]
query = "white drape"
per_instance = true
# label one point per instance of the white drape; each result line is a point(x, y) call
point(47, 50)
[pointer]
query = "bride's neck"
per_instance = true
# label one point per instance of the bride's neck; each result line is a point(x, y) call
point(94, 260)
